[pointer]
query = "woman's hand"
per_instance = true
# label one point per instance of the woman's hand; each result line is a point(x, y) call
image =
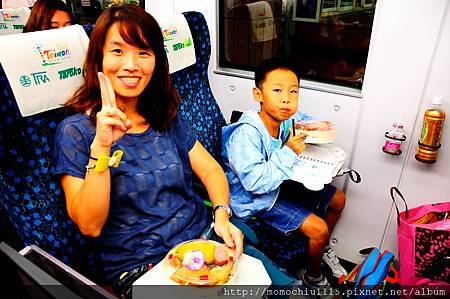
point(231, 235)
point(112, 123)
point(296, 143)
point(211, 175)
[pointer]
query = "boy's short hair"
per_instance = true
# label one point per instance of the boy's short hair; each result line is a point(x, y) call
point(268, 65)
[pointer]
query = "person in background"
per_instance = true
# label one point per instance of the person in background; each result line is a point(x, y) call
point(49, 14)
point(146, 205)
point(259, 151)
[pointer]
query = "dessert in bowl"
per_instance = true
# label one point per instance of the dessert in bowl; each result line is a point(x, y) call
point(201, 263)
point(316, 131)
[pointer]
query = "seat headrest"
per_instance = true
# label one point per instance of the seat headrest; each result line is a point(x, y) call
point(261, 21)
point(12, 20)
point(178, 41)
point(17, 3)
point(44, 68)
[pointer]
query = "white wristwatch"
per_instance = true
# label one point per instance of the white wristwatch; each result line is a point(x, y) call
point(225, 207)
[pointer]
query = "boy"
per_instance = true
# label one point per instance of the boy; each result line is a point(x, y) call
point(259, 151)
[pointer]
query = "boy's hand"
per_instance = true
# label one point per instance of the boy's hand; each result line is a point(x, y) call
point(296, 143)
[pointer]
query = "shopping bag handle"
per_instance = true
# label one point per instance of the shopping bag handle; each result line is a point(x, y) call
point(353, 174)
point(391, 191)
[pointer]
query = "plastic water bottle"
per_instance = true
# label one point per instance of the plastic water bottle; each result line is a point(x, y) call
point(429, 142)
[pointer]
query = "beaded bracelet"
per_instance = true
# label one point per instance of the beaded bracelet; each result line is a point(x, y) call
point(89, 167)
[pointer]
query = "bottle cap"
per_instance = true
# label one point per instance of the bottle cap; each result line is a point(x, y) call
point(437, 101)
point(398, 125)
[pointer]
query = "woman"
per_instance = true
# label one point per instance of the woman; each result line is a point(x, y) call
point(49, 14)
point(141, 209)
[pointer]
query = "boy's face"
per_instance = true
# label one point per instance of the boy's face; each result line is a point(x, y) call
point(278, 94)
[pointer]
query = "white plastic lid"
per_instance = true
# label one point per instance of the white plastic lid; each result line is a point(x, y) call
point(437, 101)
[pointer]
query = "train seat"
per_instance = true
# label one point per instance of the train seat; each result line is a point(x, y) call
point(202, 112)
point(13, 20)
point(198, 106)
point(30, 195)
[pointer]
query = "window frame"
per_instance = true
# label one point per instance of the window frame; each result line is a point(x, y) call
point(304, 83)
point(345, 8)
point(315, 19)
point(370, 3)
point(330, 9)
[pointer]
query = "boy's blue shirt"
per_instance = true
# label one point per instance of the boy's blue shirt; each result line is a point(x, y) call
point(256, 163)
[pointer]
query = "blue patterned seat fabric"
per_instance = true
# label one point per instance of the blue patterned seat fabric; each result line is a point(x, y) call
point(198, 106)
point(88, 28)
point(31, 197)
point(287, 251)
point(201, 111)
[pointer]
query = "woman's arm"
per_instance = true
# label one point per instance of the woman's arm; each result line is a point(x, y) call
point(88, 199)
point(213, 178)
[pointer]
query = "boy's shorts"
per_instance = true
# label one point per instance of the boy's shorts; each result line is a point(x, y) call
point(294, 204)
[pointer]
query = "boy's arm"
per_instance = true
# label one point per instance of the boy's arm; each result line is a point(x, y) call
point(247, 157)
point(287, 124)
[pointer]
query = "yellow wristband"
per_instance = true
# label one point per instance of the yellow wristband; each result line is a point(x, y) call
point(105, 161)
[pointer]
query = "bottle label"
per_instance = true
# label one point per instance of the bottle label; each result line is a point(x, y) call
point(392, 146)
point(431, 132)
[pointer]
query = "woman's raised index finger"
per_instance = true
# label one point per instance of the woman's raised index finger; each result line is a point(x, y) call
point(103, 90)
point(106, 90)
point(112, 94)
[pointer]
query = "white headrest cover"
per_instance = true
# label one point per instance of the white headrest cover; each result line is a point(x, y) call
point(12, 20)
point(17, 3)
point(261, 21)
point(177, 41)
point(44, 68)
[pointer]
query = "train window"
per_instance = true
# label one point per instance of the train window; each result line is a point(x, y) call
point(328, 40)
point(87, 11)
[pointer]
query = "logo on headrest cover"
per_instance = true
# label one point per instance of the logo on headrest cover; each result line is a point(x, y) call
point(170, 44)
point(53, 56)
point(169, 33)
point(10, 16)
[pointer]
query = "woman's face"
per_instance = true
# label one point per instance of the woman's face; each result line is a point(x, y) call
point(60, 19)
point(128, 68)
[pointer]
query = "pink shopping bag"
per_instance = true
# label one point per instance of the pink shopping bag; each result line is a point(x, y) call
point(423, 243)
